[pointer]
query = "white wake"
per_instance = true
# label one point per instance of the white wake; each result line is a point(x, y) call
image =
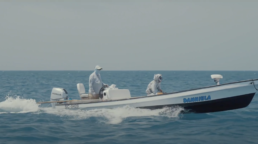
point(18, 105)
point(115, 115)
point(110, 116)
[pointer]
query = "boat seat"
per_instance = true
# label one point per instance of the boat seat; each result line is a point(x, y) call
point(81, 90)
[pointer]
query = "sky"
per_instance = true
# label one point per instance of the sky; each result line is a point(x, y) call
point(129, 35)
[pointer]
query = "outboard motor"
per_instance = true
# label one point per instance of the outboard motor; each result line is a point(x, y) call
point(58, 94)
point(216, 78)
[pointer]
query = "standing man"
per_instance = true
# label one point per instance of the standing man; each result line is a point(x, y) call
point(154, 86)
point(95, 83)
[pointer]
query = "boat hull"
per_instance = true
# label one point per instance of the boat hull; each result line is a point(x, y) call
point(204, 100)
point(231, 103)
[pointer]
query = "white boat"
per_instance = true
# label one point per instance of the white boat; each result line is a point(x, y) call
point(202, 100)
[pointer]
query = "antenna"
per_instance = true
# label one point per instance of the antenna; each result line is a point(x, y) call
point(216, 78)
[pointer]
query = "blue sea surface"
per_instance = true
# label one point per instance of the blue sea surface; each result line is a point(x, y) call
point(23, 121)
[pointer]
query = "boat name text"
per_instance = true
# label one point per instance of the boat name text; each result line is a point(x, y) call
point(197, 99)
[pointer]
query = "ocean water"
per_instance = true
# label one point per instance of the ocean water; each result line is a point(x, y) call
point(23, 121)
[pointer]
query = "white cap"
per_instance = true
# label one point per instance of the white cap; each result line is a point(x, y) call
point(98, 67)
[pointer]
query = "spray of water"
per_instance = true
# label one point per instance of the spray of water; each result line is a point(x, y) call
point(110, 116)
point(116, 115)
point(18, 105)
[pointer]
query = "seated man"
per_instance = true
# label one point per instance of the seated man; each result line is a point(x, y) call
point(95, 83)
point(154, 86)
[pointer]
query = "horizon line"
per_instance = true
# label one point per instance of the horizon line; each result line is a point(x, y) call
point(128, 70)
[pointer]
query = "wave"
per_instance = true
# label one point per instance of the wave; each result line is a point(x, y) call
point(109, 116)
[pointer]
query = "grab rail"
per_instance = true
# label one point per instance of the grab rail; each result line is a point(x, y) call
point(254, 84)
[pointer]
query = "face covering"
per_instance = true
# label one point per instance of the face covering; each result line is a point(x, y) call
point(160, 79)
point(97, 71)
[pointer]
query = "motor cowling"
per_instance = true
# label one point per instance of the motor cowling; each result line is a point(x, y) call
point(58, 94)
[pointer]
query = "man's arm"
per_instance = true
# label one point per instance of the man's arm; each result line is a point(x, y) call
point(159, 89)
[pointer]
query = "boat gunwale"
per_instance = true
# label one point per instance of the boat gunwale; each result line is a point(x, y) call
point(139, 97)
point(200, 88)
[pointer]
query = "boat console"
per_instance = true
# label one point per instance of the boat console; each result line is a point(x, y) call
point(113, 93)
